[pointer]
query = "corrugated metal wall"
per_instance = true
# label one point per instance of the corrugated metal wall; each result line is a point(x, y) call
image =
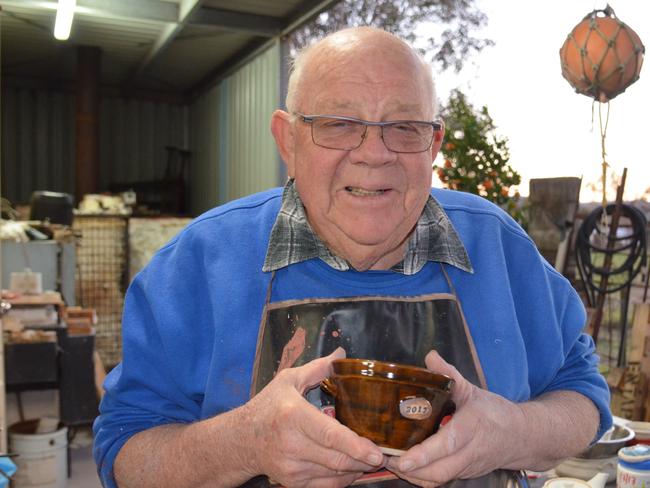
point(38, 140)
point(253, 95)
point(231, 136)
point(227, 130)
point(133, 136)
point(205, 145)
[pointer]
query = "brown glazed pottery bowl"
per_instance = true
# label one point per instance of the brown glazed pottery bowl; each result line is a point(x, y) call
point(394, 405)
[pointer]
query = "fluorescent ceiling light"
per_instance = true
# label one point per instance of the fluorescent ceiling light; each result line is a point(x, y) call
point(63, 23)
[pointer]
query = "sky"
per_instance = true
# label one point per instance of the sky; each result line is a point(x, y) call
point(548, 125)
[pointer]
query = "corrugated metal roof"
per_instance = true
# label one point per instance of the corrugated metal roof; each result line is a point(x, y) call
point(192, 51)
point(280, 8)
point(166, 45)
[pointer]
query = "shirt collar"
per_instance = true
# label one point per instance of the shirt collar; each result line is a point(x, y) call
point(292, 239)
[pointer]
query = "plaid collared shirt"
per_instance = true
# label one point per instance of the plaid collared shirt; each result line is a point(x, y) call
point(292, 240)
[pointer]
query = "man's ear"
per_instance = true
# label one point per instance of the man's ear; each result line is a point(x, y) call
point(438, 136)
point(282, 130)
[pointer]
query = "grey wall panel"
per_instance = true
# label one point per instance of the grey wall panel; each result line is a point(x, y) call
point(253, 95)
point(205, 144)
point(227, 130)
point(37, 142)
point(60, 139)
point(234, 151)
point(134, 135)
point(38, 129)
point(8, 165)
point(23, 137)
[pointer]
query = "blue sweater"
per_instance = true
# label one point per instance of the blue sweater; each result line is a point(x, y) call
point(192, 316)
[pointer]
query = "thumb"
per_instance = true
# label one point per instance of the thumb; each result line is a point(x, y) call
point(462, 388)
point(311, 374)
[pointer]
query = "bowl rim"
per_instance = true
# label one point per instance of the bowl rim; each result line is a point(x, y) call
point(394, 371)
point(627, 437)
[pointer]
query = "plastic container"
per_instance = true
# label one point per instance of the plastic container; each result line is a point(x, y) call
point(633, 469)
point(42, 459)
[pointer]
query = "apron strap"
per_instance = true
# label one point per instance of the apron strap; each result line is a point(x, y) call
point(267, 300)
point(449, 283)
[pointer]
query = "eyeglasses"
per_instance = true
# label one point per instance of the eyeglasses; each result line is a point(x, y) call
point(348, 133)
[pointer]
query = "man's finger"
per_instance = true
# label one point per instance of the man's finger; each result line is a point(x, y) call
point(311, 374)
point(440, 471)
point(435, 363)
point(462, 388)
point(310, 469)
point(331, 434)
point(330, 461)
point(439, 446)
point(419, 472)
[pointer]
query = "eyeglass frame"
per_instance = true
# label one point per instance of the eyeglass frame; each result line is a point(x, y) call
point(309, 119)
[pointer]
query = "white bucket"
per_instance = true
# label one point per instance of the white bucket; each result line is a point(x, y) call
point(42, 459)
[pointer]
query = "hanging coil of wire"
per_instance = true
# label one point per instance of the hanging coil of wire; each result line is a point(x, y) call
point(594, 244)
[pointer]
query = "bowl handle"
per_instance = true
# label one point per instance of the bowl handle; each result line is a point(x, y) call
point(449, 408)
point(328, 386)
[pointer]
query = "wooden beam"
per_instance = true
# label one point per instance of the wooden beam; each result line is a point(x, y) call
point(87, 121)
point(186, 9)
point(228, 20)
point(302, 14)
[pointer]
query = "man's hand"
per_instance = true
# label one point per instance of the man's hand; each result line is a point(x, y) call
point(488, 432)
point(277, 433)
point(297, 445)
point(483, 435)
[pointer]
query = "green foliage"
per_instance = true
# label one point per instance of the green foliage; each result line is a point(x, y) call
point(448, 46)
point(475, 158)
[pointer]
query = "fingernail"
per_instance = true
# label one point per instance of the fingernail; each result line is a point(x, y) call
point(406, 465)
point(375, 459)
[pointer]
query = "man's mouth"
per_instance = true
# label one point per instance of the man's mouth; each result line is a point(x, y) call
point(361, 192)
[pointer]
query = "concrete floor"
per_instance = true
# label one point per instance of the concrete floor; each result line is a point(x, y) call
point(83, 473)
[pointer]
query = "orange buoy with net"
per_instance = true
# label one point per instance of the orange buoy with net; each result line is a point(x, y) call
point(602, 56)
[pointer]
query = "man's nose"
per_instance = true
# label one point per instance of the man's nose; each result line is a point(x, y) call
point(372, 149)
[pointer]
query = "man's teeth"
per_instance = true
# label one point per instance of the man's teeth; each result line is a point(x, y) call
point(363, 193)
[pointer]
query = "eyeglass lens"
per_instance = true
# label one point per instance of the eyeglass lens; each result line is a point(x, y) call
point(349, 134)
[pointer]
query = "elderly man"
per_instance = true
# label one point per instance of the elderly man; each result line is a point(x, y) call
point(234, 322)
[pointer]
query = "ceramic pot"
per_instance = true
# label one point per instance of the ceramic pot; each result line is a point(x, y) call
point(394, 405)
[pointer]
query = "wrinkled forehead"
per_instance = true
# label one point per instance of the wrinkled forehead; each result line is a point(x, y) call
point(377, 62)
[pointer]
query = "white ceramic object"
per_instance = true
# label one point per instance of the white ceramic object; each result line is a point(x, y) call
point(597, 481)
point(585, 469)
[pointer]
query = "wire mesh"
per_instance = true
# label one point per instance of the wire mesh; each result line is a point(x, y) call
point(102, 266)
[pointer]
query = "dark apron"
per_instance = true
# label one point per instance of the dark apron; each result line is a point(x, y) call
point(396, 329)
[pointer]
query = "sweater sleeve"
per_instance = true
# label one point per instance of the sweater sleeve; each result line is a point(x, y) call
point(159, 380)
point(579, 371)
